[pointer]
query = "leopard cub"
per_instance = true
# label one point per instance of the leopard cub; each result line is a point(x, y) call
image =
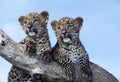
point(36, 44)
point(69, 51)
point(35, 26)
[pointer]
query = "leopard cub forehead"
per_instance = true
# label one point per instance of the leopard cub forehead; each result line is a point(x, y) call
point(65, 20)
point(32, 15)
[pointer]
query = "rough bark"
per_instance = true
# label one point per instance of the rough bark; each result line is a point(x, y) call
point(13, 53)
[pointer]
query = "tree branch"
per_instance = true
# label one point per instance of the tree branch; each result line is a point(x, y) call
point(13, 53)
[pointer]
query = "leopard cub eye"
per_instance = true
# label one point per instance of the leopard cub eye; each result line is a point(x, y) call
point(25, 22)
point(59, 28)
point(36, 19)
point(70, 25)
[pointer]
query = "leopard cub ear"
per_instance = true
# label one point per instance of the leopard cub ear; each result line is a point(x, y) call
point(45, 16)
point(78, 22)
point(54, 24)
point(21, 19)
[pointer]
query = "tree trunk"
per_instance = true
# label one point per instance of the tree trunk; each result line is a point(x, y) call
point(13, 53)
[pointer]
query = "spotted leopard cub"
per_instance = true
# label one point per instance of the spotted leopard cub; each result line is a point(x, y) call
point(69, 51)
point(34, 25)
point(36, 44)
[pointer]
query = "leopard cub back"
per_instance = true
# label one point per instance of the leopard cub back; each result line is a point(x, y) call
point(69, 51)
point(36, 44)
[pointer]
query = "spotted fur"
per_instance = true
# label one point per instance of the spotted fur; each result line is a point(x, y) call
point(69, 51)
point(36, 44)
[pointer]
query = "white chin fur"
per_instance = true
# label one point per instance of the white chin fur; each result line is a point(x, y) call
point(66, 40)
point(31, 34)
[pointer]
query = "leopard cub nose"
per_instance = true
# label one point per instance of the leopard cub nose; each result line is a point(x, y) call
point(64, 32)
point(29, 26)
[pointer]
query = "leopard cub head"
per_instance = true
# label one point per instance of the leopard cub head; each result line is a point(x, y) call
point(67, 29)
point(34, 23)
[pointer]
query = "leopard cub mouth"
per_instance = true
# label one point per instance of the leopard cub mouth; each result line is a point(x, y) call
point(66, 40)
point(31, 33)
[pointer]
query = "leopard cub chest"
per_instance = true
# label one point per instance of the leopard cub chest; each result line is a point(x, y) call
point(74, 53)
point(43, 45)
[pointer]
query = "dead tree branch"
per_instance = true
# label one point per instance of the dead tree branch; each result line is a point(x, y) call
point(12, 52)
